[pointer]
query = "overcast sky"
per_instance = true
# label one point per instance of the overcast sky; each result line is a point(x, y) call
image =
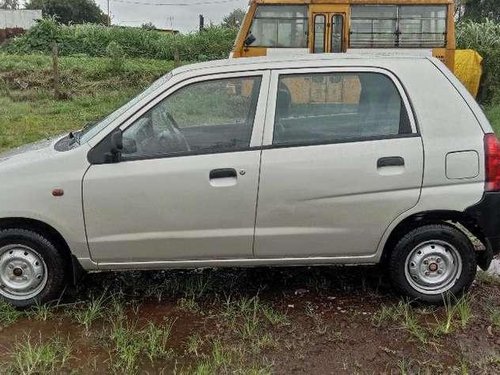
point(178, 16)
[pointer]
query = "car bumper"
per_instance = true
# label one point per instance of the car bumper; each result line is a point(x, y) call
point(486, 213)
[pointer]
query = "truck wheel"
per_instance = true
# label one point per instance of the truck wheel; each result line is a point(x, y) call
point(32, 271)
point(432, 262)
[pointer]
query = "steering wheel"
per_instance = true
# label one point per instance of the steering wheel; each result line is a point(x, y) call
point(174, 123)
point(176, 132)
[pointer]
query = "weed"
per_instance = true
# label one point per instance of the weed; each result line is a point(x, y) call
point(494, 313)
point(194, 343)
point(386, 314)
point(8, 314)
point(93, 310)
point(445, 326)
point(463, 308)
point(454, 309)
point(412, 325)
point(131, 343)
point(274, 316)
point(488, 278)
point(156, 339)
point(126, 347)
point(37, 357)
point(40, 312)
point(404, 366)
point(196, 285)
point(404, 313)
point(321, 327)
point(188, 304)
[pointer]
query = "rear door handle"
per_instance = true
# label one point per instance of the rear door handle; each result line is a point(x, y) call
point(222, 173)
point(390, 161)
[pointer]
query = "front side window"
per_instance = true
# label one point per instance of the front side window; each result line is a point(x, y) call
point(204, 117)
point(398, 26)
point(337, 107)
point(280, 26)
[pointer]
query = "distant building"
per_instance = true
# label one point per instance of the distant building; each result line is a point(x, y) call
point(19, 18)
point(15, 22)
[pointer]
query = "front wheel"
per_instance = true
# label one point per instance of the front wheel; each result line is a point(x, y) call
point(432, 262)
point(31, 269)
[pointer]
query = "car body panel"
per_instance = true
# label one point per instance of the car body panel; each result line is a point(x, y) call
point(446, 117)
point(28, 177)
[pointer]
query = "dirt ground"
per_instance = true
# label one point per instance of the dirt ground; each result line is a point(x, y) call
point(327, 320)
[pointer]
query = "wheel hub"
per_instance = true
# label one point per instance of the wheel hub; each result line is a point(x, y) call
point(433, 267)
point(23, 273)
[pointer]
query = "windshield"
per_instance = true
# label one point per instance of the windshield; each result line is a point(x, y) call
point(89, 132)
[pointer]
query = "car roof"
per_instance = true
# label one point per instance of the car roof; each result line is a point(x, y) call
point(302, 60)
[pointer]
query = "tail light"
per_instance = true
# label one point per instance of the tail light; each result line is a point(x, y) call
point(492, 160)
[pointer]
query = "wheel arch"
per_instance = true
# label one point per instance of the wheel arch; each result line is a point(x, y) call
point(457, 219)
point(53, 235)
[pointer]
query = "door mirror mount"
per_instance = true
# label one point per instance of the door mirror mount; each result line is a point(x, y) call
point(249, 40)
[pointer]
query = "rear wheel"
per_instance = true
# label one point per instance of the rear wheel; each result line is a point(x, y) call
point(31, 269)
point(433, 261)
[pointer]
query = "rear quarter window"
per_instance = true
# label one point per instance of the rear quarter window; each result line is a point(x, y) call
point(338, 107)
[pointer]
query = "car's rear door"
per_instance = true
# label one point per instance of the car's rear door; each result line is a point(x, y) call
point(342, 159)
point(186, 186)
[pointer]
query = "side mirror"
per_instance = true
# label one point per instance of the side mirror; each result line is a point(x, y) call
point(249, 40)
point(129, 146)
point(116, 141)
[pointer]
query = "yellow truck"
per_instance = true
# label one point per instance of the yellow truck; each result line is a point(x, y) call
point(421, 27)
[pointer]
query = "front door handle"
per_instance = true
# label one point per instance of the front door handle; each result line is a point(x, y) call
point(222, 173)
point(390, 161)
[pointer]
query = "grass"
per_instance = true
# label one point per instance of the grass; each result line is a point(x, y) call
point(29, 112)
point(129, 343)
point(456, 313)
point(93, 310)
point(487, 278)
point(33, 356)
point(8, 314)
point(41, 312)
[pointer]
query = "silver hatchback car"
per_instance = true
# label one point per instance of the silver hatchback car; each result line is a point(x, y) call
point(287, 161)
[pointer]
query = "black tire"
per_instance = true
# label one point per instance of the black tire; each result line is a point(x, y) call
point(54, 264)
point(400, 262)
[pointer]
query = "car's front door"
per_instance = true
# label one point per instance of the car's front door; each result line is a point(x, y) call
point(342, 159)
point(186, 185)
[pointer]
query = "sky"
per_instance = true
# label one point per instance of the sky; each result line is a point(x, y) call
point(181, 15)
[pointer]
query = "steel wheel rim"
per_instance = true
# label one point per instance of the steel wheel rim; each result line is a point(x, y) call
point(433, 267)
point(23, 272)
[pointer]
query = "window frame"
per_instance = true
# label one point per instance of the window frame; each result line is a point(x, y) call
point(272, 104)
point(258, 124)
point(396, 33)
point(277, 19)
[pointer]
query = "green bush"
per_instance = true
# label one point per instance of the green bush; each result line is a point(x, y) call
point(484, 37)
point(116, 57)
point(93, 40)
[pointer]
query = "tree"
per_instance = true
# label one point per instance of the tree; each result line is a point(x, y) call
point(70, 11)
point(478, 10)
point(9, 4)
point(234, 19)
point(148, 26)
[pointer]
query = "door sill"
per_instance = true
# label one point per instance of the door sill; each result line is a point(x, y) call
point(239, 262)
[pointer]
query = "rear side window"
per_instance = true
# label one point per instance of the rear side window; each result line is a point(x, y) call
point(338, 107)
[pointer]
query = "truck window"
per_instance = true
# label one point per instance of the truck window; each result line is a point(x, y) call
point(407, 26)
point(280, 26)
